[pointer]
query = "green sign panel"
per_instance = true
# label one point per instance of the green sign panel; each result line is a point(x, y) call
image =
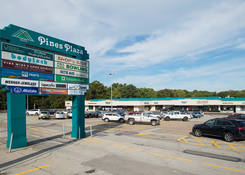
point(27, 51)
point(25, 37)
point(69, 79)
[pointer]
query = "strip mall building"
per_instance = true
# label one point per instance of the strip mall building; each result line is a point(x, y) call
point(206, 104)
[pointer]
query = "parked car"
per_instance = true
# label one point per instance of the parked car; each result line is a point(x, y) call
point(52, 112)
point(185, 116)
point(33, 112)
point(44, 115)
point(197, 114)
point(144, 117)
point(237, 116)
point(228, 129)
point(59, 115)
point(112, 117)
point(69, 114)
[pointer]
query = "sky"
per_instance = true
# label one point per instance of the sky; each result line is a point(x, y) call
point(187, 44)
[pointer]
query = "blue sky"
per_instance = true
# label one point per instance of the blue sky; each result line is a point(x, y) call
point(156, 44)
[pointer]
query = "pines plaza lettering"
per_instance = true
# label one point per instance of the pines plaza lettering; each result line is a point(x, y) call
point(67, 47)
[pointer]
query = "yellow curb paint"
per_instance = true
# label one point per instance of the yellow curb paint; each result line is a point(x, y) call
point(171, 157)
point(35, 169)
point(215, 144)
point(222, 167)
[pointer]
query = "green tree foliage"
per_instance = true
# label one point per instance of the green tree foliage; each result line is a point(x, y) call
point(97, 90)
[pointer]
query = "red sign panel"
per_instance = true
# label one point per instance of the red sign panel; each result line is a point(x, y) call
point(26, 66)
point(53, 91)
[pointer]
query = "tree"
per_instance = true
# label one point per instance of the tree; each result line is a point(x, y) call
point(97, 91)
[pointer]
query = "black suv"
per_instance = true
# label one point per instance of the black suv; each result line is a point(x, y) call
point(229, 129)
point(237, 116)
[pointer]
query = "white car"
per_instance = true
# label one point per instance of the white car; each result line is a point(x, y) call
point(144, 117)
point(177, 115)
point(59, 115)
point(33, 112)
point(112, 117)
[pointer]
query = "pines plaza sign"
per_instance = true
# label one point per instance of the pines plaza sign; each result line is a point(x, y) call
point(34, 63)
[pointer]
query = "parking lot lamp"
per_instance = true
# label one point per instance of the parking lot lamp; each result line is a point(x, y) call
point(110, 74)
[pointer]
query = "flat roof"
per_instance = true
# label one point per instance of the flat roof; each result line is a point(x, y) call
point(171, 98)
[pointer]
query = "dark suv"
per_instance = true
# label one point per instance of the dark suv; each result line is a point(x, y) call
point(237, 116)
point(229, 129)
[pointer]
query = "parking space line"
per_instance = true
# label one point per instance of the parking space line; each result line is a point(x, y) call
point(215, 144)
point(31, 170)
point(222, 167)
point(126, 147)
point(232, 147)
point(182, 138)
point(143, 133)
point(39, 129)
point(171, 157)
point(93, 140)
point(199, 141)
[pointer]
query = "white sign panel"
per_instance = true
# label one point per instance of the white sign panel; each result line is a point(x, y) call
point(77, 87)
point(18, 82)
point(26, 59)
point(71, 73)
point(69, 60)
point(76, 92)
point(46, 84)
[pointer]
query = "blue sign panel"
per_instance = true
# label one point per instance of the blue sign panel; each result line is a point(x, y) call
point(14, 73)
point(23, 90)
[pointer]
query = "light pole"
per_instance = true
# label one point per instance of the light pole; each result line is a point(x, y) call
point(111, 91)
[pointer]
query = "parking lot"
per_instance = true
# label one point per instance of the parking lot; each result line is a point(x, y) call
point(120, 148)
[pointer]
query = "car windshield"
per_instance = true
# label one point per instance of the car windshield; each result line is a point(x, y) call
point(44, 112)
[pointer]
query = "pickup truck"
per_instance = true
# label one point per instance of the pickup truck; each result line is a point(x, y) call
point(177, 115)
point(142, 118)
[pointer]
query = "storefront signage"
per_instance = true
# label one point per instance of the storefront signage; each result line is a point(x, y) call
point(71, 67)
point(18, 82)
point(26, 66)
point(77, 87)
point(71, 73)
point(44, 84)
point(227, 103)
point(23, 90)
point(26, 59)
point(27, 51)
point(53, 91)
point(14, 73)
point(69, 60)
point(76, 92)
point(34, 63)
point(68, 79)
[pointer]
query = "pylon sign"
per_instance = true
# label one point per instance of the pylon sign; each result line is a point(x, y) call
point(34, 63)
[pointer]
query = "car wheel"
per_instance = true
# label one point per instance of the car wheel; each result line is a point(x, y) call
point(228, 137)
point(167, 118)
point(153, 122)
point(198, 132)
point(131, 121)
point(36, 114)
point(106, 120)
point(121, 120)
point(185, 119)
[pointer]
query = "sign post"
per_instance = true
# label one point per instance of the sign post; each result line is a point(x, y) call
point(33, 63)
point(16, 120)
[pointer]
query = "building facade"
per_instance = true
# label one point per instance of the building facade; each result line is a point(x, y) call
point(206, 104)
